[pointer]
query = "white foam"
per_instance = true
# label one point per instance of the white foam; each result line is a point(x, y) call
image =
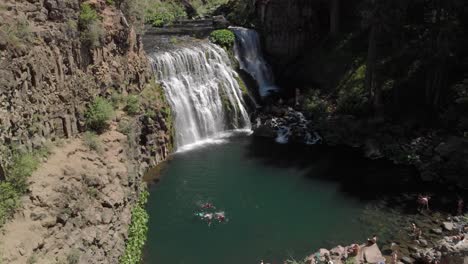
point(217, 139)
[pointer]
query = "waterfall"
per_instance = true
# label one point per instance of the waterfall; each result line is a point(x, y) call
point(249, 54)
point(202, 89)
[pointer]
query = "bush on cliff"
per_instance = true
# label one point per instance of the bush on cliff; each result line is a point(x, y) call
point(98, 114)
point(352, 97)
point(92, 141)
point(90, 26)
point(315, 105)
point(18, 172)
point(133, 105)
point(137, 232)
point(9, 200)
point(16, 34)
point(159, 14)
point(223, 37)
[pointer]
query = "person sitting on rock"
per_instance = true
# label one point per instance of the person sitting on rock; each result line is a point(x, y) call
point(395, 257)
point(423, 201)
point(353, 250)
point(372, 240)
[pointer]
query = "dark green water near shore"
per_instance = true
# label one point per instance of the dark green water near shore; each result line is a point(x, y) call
point(281, 201)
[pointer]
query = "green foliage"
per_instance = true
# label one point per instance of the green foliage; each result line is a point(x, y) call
point(32, 259)
point(92, 192)
point(223, 37)
point(92, 35)
point(98, 114)
point(352, 97)
point(134, 11)
point(117, 99)
point(242, 85)
point(125, 127)
point(159, 14)
point(22, 167)
point(9, 200)
point(18, 172)
point(240, 12)
point(73, 257)
point(207, 7)
point(87, 15)
point(132, 105)
point(16, 34)
point(137, 232)
point(110, 2)
point(91, 28)
point(92, 141)
point(315, 105)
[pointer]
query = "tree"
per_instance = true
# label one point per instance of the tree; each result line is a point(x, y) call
point(334, 17)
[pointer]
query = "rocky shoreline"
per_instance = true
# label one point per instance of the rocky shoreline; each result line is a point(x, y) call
point(430, 153)
point(448, 248)
point(438, 156)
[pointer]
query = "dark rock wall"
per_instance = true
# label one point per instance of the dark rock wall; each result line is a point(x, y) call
point(289, 28)
point(47, 76)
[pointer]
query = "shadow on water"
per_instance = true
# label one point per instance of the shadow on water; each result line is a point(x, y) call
point(357, 176)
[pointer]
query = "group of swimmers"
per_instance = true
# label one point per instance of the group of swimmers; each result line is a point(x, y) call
point(209, 216)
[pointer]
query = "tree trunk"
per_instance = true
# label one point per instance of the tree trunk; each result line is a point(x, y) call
point(334, 17)
point(371, 62)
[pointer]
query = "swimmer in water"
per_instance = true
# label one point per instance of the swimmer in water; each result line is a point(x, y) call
point(220, 216)
point(207, 206)
point(208, 218)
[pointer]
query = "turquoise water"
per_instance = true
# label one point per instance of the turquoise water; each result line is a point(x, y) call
point(281, 201)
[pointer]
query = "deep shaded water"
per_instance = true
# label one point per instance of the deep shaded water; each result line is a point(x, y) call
point(281, 201)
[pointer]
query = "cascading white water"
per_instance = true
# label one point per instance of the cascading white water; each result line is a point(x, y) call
point(202, 89)
point(249, 54)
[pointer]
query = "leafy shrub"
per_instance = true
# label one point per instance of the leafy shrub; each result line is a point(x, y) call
point(110, 2)
point(87, 15)
point(91, 28)
point(315, 105)
point(124, 127)
point(16, 34)
point(133, 105)
point(73, 257)
point(159, 14)
point(9, 200)
point(92, 35)
point(352, 97)
point(207, 7)
point(137, 232)
point(32, 259)
point(92, 141)
point(134, 11)
point(98, 114)
point(22, 167)
point(223, 37)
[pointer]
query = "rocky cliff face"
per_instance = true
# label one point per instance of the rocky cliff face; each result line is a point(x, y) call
point(47, 79)
point(289, 28)
point(47, 76)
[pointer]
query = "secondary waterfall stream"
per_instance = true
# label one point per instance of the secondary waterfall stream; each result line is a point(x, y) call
point(203, 90)
point(249, 54)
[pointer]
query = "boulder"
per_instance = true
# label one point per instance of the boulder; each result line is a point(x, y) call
point(220, 22)
point(407, 260)
point(448, 226)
